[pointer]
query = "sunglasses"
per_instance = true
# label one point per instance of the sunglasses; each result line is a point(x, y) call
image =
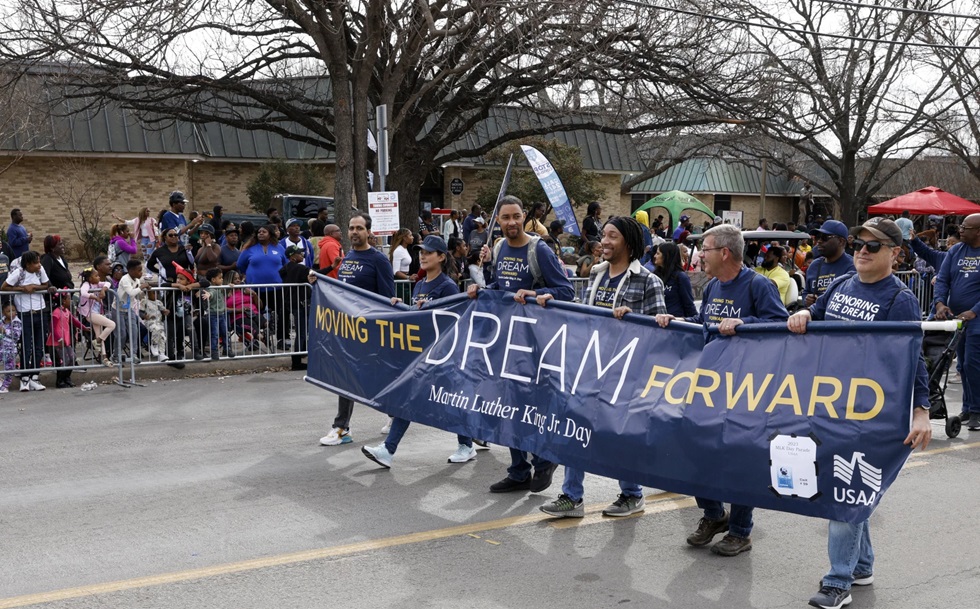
point(170, 235)
point(823, 237)
point(873, 246)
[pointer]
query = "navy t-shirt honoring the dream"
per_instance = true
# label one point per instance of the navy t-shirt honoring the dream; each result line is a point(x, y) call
point(369, 270)
point(427, 290)
point(848, 299)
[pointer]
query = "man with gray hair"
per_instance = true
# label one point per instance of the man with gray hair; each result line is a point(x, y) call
point(735, 295)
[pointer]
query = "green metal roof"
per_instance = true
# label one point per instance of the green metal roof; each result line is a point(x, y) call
point(704, 175)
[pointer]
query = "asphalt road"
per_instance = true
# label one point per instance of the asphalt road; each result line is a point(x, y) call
point(213, 492)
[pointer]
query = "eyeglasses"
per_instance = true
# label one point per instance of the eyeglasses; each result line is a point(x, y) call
point(964, 227)
point(711, 249)
point(873, 246)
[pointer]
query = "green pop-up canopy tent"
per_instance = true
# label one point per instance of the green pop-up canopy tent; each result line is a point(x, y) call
point(676, 202)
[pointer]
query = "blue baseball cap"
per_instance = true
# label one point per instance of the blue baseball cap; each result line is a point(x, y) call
point(434, 243)
point(832, 227)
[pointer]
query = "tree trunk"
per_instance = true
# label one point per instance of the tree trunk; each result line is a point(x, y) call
point(344, 184)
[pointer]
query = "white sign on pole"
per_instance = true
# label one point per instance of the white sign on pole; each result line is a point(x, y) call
point(383, 208)
point(732, 217)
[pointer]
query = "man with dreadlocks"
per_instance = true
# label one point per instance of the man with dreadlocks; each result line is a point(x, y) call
point(619, 283)
point(735, 295)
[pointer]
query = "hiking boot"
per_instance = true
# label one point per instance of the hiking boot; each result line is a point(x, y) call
point(624, 506)
point(541, 479)
point(508, 485)
point(463, 454)
point(731, 545)
point(564, 507)
point(831, 598)
point(707, 529)
point(379, 454)
point(336, 437)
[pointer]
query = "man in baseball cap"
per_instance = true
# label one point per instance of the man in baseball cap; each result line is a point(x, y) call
point(832, 260)
point(881, 228)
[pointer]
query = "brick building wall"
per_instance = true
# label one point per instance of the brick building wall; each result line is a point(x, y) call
point(42, 186)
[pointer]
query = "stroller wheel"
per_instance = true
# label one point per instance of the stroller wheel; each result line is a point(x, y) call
point(953, 426)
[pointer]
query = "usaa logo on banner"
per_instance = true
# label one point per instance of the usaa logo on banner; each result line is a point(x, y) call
point(867, 474)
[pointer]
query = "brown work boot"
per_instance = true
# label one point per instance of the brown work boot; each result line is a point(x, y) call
point(732, 546)
point(707, 529)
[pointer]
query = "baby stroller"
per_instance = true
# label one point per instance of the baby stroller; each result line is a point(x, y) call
point(938, 349)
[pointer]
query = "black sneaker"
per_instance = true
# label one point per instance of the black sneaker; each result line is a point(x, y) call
point(831, 598)
point(564, 507)
point(508, 485)
point(865, 579)
point(707, 529)
point(541, 479)
point(974, 424)
point(731, 545)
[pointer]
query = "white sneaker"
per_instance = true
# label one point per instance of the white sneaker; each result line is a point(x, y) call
point(336, 436)
point(4, 390)
point(379, 454)
point(154, 351)
point(463, 454)
point(162, 357)
point(34, 385)
point(25, 383)
point(387, 427)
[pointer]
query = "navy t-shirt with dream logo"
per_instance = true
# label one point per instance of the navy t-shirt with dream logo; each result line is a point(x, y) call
point(606, 291)
point(369, 270)
point(440, 287)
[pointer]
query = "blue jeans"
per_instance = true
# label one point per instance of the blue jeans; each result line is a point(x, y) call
point(739, 520)
point(520, 467)
point(849, 548)
point(400, 426)
point(968, 363)
point(219, 323)
point(575, 490)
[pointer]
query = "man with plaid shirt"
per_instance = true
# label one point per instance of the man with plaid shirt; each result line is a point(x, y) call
point(623, 285)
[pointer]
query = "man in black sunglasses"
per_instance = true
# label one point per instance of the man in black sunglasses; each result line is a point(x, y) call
point(871, 293)
point(833, 262)
point(958, 296)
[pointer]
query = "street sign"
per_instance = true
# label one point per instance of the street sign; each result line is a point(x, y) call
point(383, 209)
point(456, 186)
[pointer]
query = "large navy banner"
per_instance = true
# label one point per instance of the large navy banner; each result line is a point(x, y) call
point(810, 424)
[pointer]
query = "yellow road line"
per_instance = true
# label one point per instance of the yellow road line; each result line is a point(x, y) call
point(668, 501)
point(946, 449)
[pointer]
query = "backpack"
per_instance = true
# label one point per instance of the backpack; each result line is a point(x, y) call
point(532, 259)
point(113, 252)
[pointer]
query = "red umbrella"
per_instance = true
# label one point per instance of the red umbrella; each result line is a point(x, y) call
point(929, 200)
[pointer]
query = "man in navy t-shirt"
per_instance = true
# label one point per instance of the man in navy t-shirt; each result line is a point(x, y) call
point(368, 269)
point(833, 262)
point(735, 295)
point(871, 293)
point(958, 295)
point(515, 272)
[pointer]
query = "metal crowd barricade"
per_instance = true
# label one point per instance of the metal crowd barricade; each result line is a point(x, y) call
point(261, 321)
point(921, 286)
point(37, 350)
